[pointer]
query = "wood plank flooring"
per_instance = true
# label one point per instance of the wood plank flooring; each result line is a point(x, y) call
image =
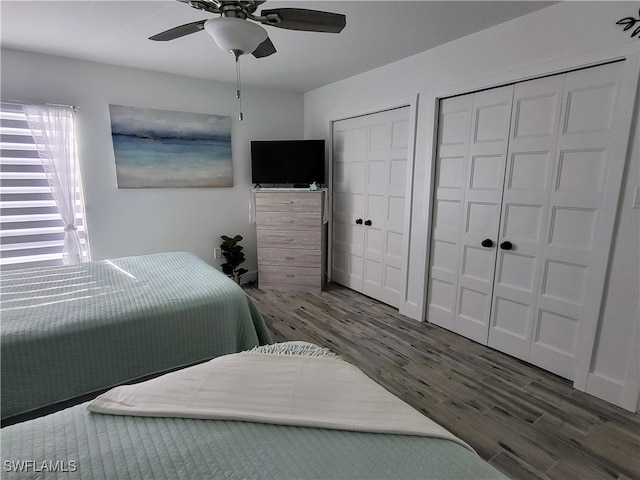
point(526, 422)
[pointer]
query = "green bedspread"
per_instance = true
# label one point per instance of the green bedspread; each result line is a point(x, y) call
point(72, 330)
point(81, 445)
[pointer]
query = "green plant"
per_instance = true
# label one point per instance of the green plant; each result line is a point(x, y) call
point(232, 253)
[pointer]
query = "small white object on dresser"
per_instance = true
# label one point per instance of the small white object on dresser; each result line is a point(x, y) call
point(291, 239)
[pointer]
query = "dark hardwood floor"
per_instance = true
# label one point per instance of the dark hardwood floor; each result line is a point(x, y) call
point(526, 422)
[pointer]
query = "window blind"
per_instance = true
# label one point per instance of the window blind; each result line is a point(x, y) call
point(31, 228)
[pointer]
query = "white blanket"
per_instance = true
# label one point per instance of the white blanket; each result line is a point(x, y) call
point(268, 388)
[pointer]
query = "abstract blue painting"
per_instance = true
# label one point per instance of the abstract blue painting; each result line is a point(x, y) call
point(165, 149)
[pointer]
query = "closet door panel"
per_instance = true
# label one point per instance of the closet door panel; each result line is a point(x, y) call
point(385, 210)
point(454, 126)
point(396, 208)
point(487, 147)
point(379, 141)
point(583, 201)
point(531, 150)
point(349, 170)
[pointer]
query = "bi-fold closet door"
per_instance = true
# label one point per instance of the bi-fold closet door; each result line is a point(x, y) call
point(370, 165)
point(520, 236)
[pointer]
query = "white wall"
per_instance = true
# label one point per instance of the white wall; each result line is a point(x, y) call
point(537, 43)
point(136, 221)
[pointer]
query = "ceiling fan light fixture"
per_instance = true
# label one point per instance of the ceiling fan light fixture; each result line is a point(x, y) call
point(235, 34)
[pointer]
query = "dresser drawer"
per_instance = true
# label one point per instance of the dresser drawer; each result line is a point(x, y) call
point(311, 276)
point(308, 239)
point(290, 220)
point(288, 201)
point(290, 257)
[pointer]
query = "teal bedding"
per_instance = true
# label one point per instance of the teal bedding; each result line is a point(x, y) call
point(77, 444)
point(72, 330)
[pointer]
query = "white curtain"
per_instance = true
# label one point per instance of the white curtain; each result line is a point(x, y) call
point(53, 129)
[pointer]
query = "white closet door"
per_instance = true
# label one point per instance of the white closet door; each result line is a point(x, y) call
point(473, 132)
point(532, 146)
point(350, 141)
point(385, 204)
point(582, 207)
point(557, 217)
point(553, 206)
point(369, 211)
point(490, 122)
point(454, 125)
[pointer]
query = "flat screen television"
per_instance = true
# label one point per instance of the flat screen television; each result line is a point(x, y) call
point(296, 162)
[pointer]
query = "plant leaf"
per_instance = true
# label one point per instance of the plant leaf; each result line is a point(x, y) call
point(626, 20)
point(629, 23)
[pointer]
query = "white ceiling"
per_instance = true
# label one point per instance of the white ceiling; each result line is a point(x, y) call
point(377, 33)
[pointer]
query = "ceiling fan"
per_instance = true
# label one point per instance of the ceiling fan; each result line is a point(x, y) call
point(234, 33)
point(237, 32)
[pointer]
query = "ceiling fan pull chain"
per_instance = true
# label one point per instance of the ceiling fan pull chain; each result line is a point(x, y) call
point(240, 116)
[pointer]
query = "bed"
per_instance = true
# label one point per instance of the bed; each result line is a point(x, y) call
point(271, 413)
point(71, 330)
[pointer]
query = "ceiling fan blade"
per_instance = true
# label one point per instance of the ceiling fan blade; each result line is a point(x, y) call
point(265, 49)
point(177, 32)
point(303, 19)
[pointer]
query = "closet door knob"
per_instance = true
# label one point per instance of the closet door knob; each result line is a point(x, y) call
point(367, 223)
point(487, 242)
point(506, 245)
point(359, 221)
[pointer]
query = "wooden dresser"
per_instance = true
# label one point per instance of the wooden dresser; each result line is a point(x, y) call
point(291, 239)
